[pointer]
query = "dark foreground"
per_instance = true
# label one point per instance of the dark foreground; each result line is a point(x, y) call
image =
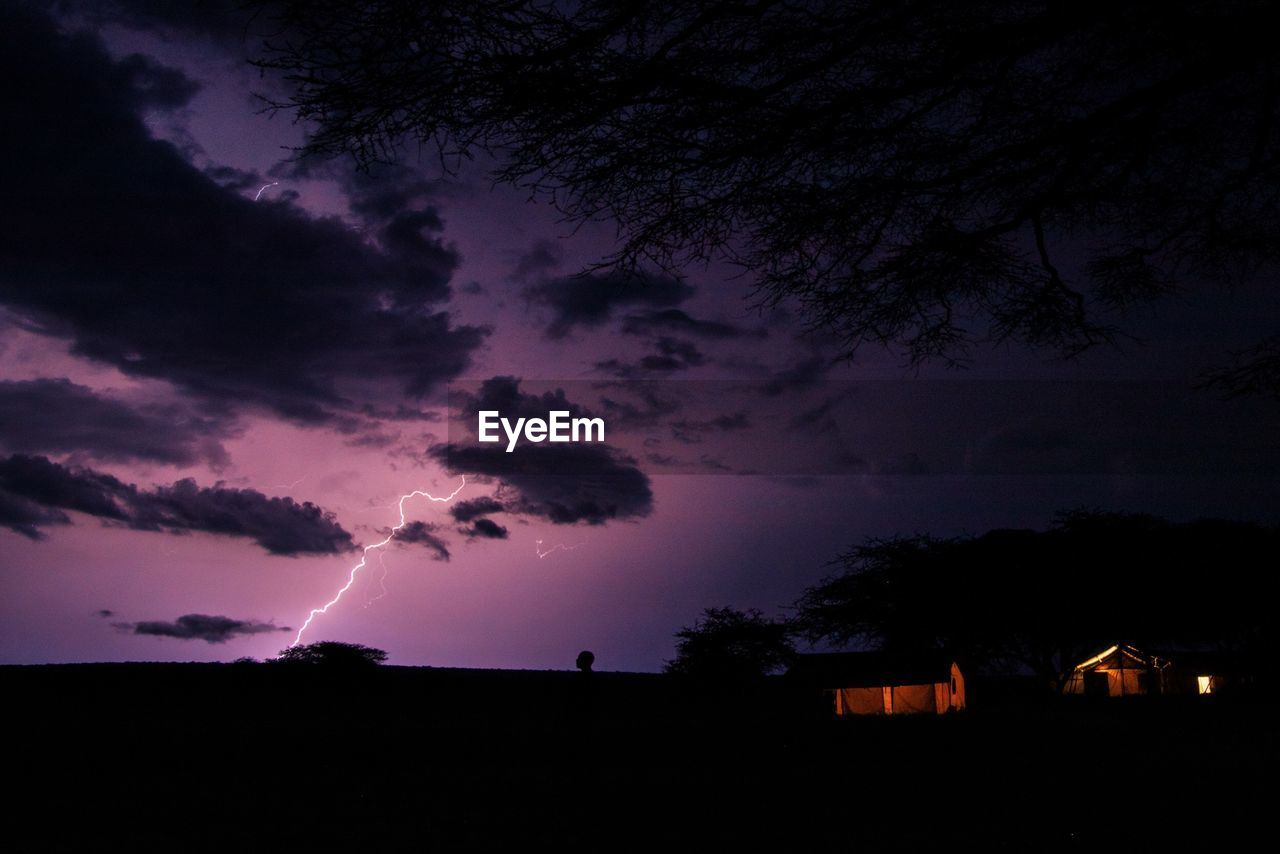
point(255, 758)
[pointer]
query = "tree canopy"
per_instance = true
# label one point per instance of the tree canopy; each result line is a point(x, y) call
point(731, 645)
point(927, 174)
point(333, 654)
point(1044, 600)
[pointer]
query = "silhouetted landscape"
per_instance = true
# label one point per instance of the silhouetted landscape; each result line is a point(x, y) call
point(216, 756)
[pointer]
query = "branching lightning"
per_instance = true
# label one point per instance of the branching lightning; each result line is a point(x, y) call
point(364, 557)
point(382, 579)
point(537, 547)
point(264, 188)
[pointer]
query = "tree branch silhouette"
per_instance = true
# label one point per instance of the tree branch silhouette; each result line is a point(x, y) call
point(901, 171)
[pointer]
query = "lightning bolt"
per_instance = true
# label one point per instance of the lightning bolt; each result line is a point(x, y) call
point(264, 188)
point(537, 547)
point(364, 557)
point(382, 579)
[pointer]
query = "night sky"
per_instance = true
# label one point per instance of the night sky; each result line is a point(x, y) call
point(221, 365)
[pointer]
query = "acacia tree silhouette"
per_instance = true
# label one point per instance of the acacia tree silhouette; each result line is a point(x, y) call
point(916, 173)
point(333, 654)
point(731, 645)
point(1042, 601)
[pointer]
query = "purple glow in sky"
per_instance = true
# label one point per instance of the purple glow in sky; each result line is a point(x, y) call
point(221, 367)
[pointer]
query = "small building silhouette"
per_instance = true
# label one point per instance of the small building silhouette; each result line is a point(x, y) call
point(1126, 670)
point(881, 683)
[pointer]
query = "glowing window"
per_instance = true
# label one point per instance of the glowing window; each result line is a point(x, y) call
point(1204, 684)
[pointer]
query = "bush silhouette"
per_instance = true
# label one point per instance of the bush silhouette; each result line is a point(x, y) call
point(334, 654)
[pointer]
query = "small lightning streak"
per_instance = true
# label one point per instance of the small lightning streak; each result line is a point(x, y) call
point(537, 547)
point(382, 579)
point(264, 188)
point(355, 570)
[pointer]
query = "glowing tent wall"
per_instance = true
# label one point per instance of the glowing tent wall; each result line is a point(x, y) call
point(927, 698)
point(1118, 671)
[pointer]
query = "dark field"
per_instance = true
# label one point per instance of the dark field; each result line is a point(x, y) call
point(255, 758)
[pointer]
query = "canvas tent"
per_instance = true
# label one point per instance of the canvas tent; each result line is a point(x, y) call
point(1125, 670)
point(1120, 670)
point(879, 683)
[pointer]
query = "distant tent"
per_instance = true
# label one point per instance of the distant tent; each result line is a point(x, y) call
point(1120, 670)
point(880, 683)
point(1204, 672)
point(1125, 670)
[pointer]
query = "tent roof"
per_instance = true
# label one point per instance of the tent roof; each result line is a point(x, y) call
point(1207, 661)
point(870, 669)
point(1123, 655)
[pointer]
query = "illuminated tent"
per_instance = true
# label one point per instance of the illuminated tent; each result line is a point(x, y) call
point(880, 683)
point(1203, 672)
point(1120, 670)
point(1124, 670)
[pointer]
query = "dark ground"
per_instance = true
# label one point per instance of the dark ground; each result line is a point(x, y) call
point(195, 757)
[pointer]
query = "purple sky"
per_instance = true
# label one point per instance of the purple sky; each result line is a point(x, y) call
point(158, 324)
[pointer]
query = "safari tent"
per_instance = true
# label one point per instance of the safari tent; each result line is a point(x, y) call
point(879, 683)
point(1120, 670)
point(1125, 670)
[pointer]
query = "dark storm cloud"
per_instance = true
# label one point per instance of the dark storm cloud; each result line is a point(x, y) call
point(465, 511)
point(35, 491)
point(648, 406)
point(670, 355)
point(154, 85)
point(818, 418)
point(424, 534)
point(486, 528)
point(692, 432)
point(200, 627)
point(227, 21)
point(538, 261)
point(235, 179)
point(564, 484)
point(590, 300)
point(115, 242)
point(803, 375)
point(28, 517)
point(58, 416)
point(504, 395)
point(675, 321)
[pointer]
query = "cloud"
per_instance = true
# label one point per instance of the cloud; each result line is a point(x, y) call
point(563, 483)
point(465, 511)
point(675, 321)
point(486, 528)
point(671, 355)
point(502, 393)
point(142, 261)
point(230, 22)
point(59, 416)
point(35, 492)
point(423, 534)
point(538, 261)
point(589, 300)
point(691, 432)
point(802, 375)
point(200, 627)
point(654, 405)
